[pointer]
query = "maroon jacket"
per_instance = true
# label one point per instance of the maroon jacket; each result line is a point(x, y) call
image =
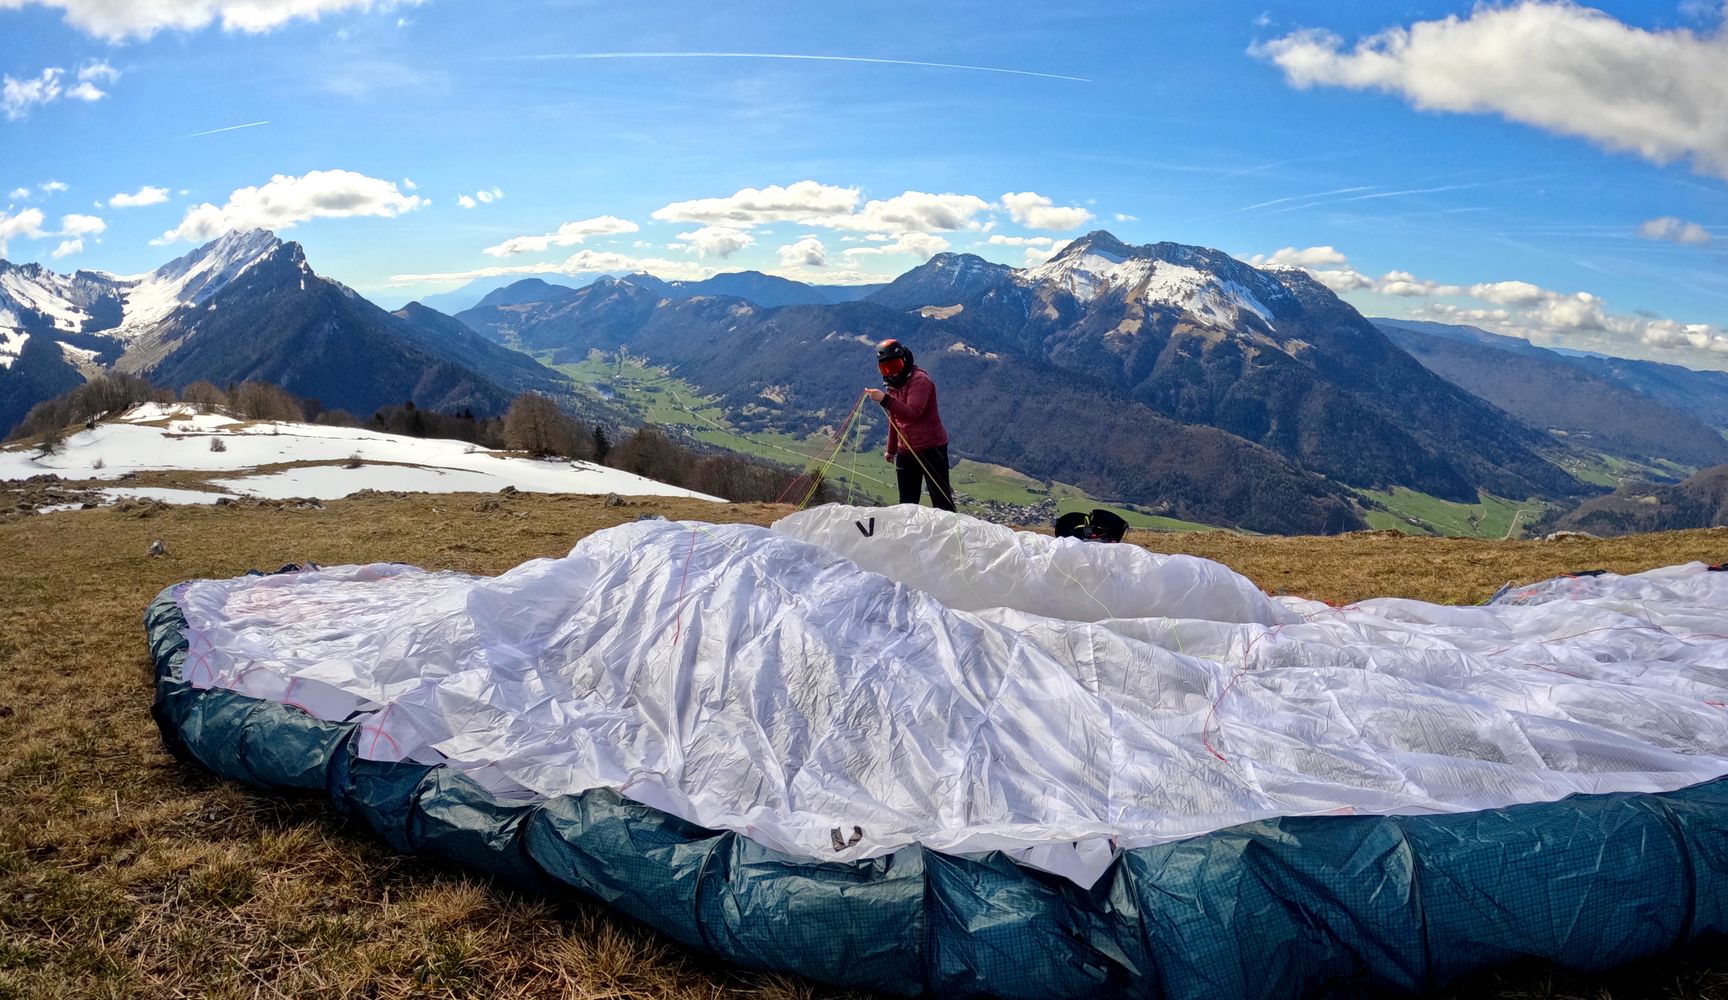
point(914, 423)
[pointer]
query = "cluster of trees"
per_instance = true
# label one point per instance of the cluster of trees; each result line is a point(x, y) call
point(649, 452)
point(412, 421)
point(101, 396)
point(535, 424)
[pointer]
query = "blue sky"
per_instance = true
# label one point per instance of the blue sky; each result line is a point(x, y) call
point(1551, 170)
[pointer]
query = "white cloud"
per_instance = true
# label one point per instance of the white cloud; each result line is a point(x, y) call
point(1674, 231)
point(584, 261)
point(146, 195)
point(17, 97)
point(912, 211)
point(1038, 212)
point(27, 223)
point(1540, 315)
point(1326, 264)
point(801, 202)
point(807, 252)
point(997, 239)
point(832, 207)
point(89, 76)
point(66, 247)
point(1406, 285)
point(98, 71)
point(485, 196)
point(1309, 257)
point(117, 20)
point(569, 234)
point(55, 187)
point(1343, 279)
point(409, 185)
point(714, 241)
point(1125, 217)
point(19, 194)
point(287, 201)
point(1509, 293)
point(921, 245)
point(81, 225)
point(1552, 64)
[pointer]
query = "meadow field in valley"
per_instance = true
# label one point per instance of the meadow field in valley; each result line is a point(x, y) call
point(126, 873)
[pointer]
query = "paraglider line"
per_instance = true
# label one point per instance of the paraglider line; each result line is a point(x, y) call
point(817, 475)
point(683, 578)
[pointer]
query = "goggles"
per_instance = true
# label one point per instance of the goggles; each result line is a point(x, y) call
point(891, 366)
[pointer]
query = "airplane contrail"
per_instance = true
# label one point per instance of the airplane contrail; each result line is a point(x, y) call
point(226, 128)
point(796, 56)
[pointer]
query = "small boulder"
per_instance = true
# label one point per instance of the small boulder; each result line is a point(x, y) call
point(614, 500)
point(156, 549)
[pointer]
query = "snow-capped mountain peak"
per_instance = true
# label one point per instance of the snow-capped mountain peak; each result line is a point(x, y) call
point(35, 301)
point(192, 279)
point(1208, 284)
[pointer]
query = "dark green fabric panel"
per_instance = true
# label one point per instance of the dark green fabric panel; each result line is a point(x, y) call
point(1279, 908)
point(639, 860)
point(1702, 815)
point(856, 922)
point(1299, 906)
point(999, 929)
point(382, 794)
point(455, 818)
point(1590, 882)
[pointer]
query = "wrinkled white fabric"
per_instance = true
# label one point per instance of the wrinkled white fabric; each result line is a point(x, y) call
point(973, 565)
point(753, 680)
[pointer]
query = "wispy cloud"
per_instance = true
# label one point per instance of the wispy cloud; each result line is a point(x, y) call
point(798, 56)
point(225, 128)
point(1321, 200)
point(1305, 197)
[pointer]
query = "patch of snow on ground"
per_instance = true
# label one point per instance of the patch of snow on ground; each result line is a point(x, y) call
point(77, 355)
point(184, 415)
point(160, 493)
point(408, 464)
point(11, 345)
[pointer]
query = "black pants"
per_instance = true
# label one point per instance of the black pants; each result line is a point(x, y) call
point(927, 466)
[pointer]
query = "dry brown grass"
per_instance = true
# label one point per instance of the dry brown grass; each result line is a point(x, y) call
point(126, 874)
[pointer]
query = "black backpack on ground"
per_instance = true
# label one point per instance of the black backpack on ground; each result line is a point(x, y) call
point(1099, 526)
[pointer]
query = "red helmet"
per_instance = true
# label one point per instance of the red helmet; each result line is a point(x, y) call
point(894, 361)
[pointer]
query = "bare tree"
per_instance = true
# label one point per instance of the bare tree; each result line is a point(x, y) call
point(52, 439)
point(205, 396)
point(535, 424)
point(263, 401)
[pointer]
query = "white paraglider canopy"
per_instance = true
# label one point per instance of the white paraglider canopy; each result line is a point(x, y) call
point(853, 680)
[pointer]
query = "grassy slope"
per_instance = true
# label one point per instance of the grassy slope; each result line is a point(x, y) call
point(672, 402)
point(126, 874)
point(1601, 469)
point(1420, 514)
